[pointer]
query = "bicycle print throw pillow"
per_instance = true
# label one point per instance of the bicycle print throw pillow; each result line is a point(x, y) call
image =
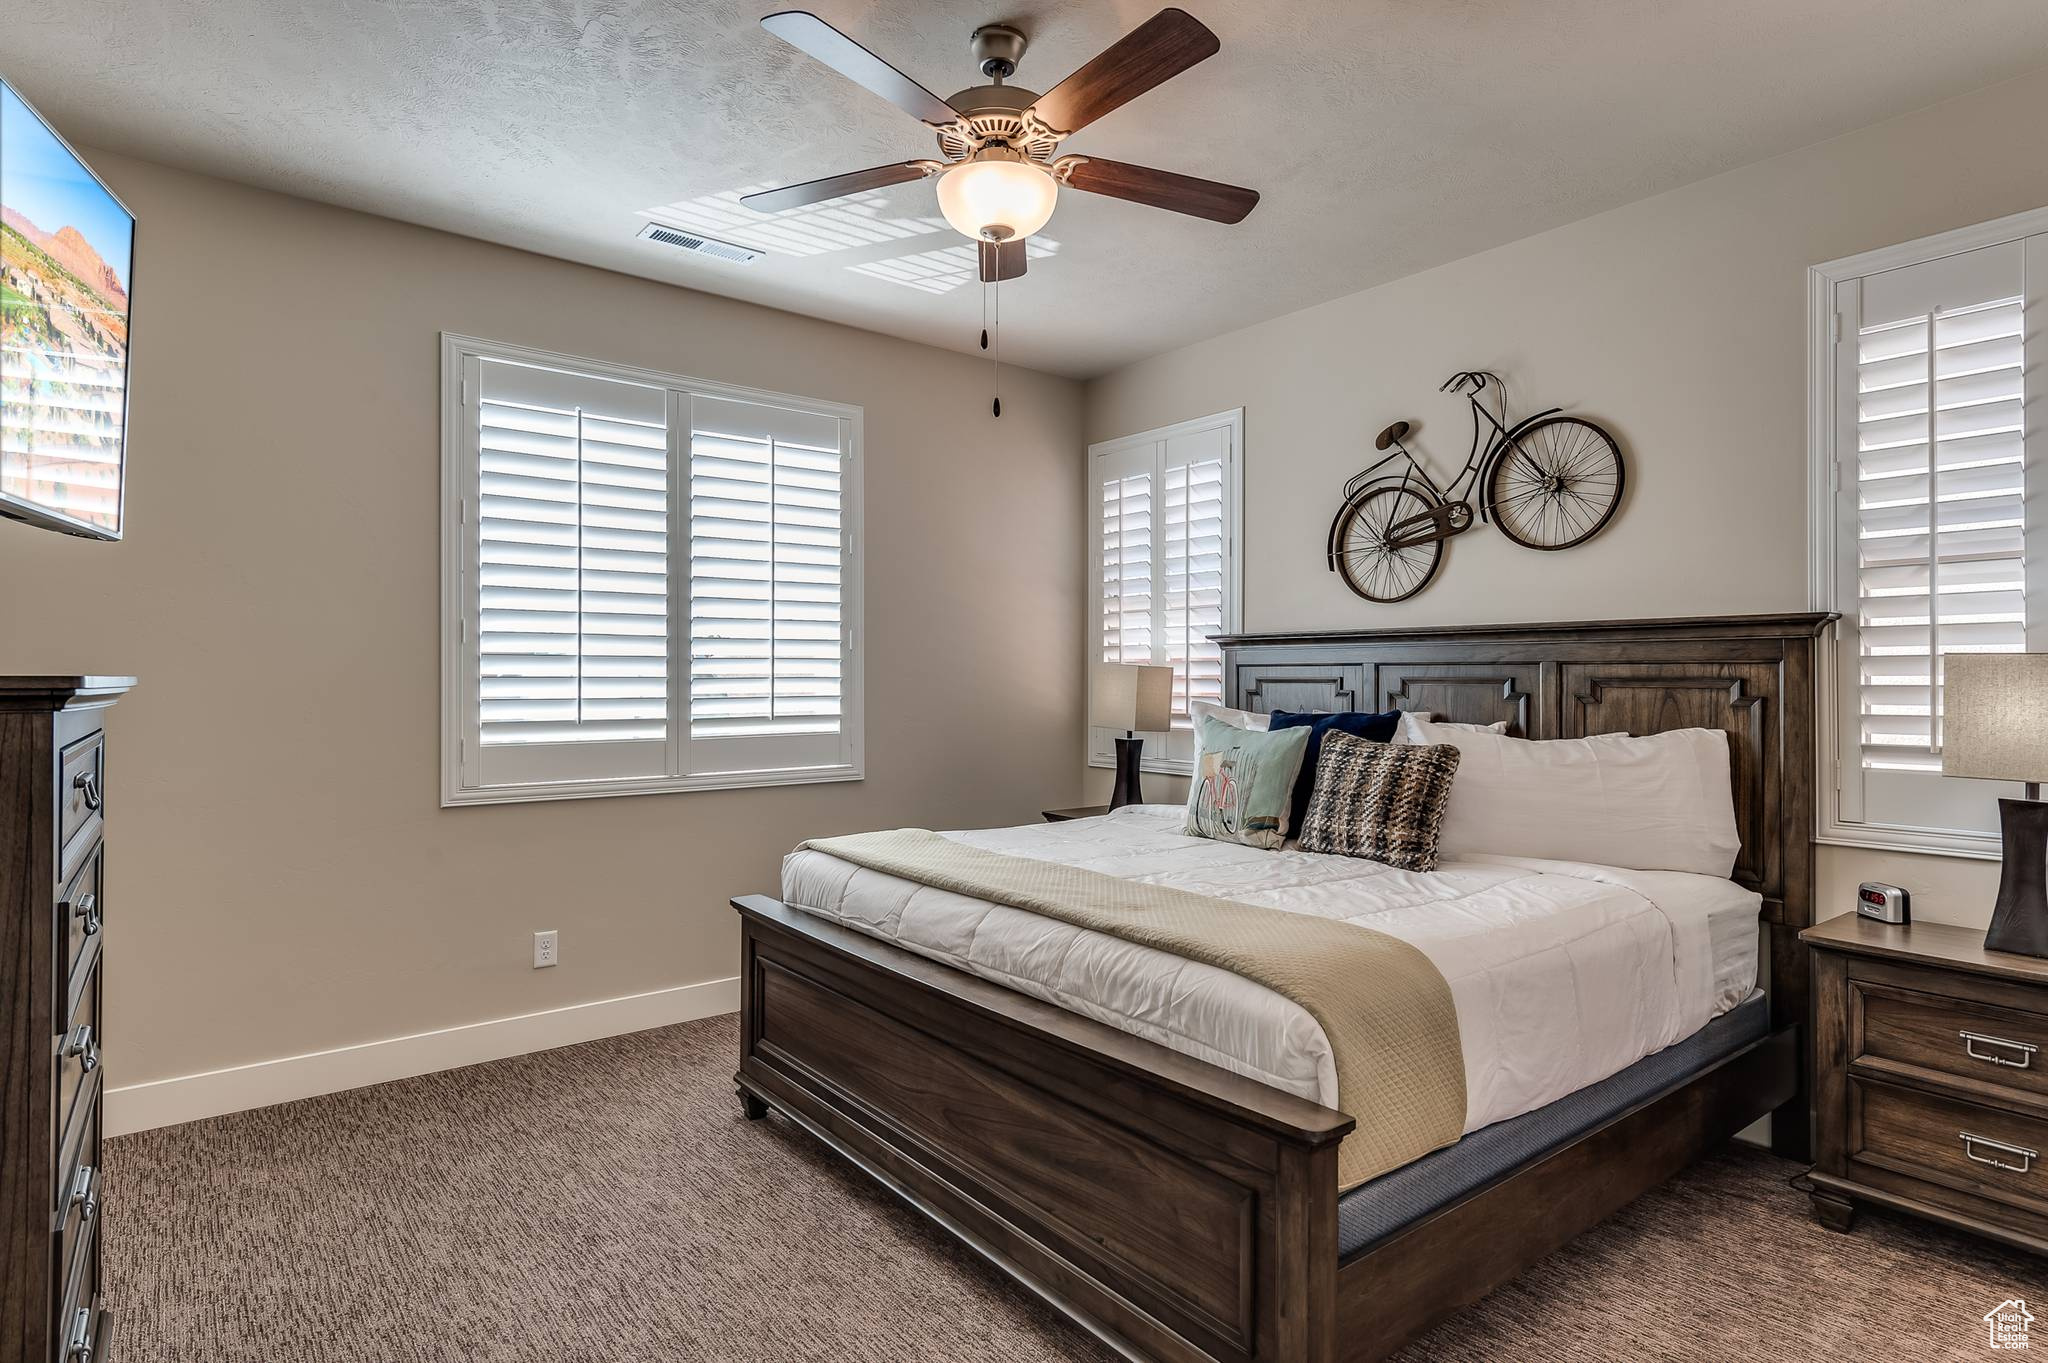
point(1243, 784)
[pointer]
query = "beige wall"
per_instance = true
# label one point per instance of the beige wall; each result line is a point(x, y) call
point(284, 879)
point(1679, 321)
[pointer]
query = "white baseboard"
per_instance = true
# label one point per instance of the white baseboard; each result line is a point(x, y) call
point(167, 1102)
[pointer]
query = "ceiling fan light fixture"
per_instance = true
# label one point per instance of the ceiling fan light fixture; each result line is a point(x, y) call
point(997, 198)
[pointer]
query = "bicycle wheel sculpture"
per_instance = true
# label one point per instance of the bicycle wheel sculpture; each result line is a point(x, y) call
point(1377, 548)
point(1555, 483)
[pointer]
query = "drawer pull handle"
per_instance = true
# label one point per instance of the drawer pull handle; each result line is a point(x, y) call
point(1972, 1040)
point(88, 908)
point(80, 1044)
point(2025, 1156)
point(78, 1349)
point(85, 1195)
point(89, 782)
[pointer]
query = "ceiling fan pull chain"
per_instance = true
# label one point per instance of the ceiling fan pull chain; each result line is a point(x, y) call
point(996, 292)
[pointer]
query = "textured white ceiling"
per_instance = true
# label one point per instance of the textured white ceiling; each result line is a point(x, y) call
point(1385, 135)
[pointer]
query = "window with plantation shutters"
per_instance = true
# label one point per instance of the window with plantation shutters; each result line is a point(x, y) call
point(1932, 414)
point(1162, 571)
point(650, 581)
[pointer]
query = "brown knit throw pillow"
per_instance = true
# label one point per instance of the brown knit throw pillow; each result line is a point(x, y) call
point(1381, 801)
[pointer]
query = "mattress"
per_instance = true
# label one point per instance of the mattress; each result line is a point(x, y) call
point(1377, 1209)
point(1562, 974)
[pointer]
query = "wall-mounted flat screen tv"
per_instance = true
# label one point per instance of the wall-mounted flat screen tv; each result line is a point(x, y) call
point(66, 252)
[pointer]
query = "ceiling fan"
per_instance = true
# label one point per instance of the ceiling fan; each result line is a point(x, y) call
point(1000, 178)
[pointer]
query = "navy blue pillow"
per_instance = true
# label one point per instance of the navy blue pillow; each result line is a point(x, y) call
point(1379, 728)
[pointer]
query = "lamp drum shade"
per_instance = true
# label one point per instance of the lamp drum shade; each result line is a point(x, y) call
point(1132, 698)
point(1995, 716)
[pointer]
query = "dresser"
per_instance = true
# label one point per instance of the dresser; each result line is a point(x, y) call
point(1930, 1078)
point(53, 902)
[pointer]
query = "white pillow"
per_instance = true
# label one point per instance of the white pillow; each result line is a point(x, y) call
point(1198, 710)
point(1411, 732)
point(1662, 802)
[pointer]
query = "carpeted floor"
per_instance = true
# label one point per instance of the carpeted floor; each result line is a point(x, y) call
point(607, 1203)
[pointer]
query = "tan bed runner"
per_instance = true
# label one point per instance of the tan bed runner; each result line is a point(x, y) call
point(1386, 1010)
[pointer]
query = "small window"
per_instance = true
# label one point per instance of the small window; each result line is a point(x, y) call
point(650, 583)
point(1925, 408)
point(1163, 566)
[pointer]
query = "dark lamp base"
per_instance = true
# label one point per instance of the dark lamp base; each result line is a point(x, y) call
point(2019, 921)
point(1127, 791)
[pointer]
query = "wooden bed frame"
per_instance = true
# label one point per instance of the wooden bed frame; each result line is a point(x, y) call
point(1184, 1213)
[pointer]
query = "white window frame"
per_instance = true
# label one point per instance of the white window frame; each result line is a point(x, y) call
point(1831, 532)
point(1231, 422)
point(459, 684)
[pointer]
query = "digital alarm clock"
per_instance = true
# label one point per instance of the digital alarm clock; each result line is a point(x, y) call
point(1885, 903)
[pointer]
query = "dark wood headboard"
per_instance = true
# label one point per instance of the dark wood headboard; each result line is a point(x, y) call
point(1750, 675)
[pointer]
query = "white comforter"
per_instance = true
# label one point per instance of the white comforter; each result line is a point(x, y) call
point(1562, 973)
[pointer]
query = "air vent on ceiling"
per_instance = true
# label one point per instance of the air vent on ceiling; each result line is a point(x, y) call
point(703, 246)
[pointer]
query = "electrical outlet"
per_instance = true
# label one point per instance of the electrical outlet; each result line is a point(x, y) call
point(545, 950)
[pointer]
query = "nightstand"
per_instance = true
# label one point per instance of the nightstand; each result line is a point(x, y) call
point(1930, 1078)
point(1077, 812)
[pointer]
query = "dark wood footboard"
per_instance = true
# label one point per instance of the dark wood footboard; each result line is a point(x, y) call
point(1182, 1213)
point(1179, 1211)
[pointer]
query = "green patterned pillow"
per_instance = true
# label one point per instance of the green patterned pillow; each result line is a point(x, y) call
point(1244, 783)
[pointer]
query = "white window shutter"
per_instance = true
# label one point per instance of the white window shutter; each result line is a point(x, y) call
point(1194, 537)
point(1125, 581)
point(1933, 527)
point(1939, 361)
point(571, 575)
point(768, 558)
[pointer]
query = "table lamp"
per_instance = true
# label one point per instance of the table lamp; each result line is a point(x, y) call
point(1136, 700)
point(1995, 727)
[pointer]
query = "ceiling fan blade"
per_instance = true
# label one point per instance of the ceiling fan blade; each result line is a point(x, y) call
point(1161, 189)
point(1001, 260)
point(1162, 47)
point(834, 186)
point(808, 33)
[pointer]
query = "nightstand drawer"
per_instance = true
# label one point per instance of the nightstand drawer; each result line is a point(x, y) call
point(1980, 1150)
point(1959, 1037)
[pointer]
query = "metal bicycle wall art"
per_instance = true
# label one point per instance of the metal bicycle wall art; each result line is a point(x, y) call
point(1549, 481)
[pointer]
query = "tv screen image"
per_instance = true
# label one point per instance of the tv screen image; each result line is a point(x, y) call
point(66, 254)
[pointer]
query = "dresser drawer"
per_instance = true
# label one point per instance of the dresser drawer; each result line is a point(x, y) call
point(81, 791)
point(87, 1340)
point(76, 931)
point(78, 1148)
point(81, 1332)
point(79, 1217)
point(1985, 1151)
point(77, 1058)
point(1961, 1037)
